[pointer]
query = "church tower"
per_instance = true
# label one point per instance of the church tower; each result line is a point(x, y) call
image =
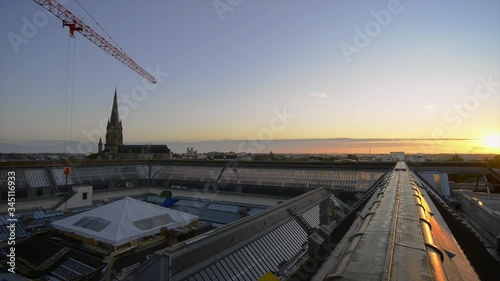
point(114, 135)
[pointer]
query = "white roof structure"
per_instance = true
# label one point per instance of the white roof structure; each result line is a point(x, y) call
point(123, 221)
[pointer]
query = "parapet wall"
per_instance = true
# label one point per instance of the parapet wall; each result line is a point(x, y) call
point(472, 205)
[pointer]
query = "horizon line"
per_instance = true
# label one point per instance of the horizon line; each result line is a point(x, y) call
point(286, 139)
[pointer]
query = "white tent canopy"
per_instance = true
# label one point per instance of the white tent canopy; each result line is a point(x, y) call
point(123, 221)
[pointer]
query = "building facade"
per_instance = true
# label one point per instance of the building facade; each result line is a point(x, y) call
point(397, 156)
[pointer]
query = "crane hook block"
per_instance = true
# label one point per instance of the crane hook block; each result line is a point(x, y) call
point(72, 28)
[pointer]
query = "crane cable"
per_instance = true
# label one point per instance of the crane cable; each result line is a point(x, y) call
point(99, 25)
point(70, 83)
point(70, 87)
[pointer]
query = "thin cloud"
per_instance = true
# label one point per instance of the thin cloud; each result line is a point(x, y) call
point(430, 107)
point(318, 95)
point(476, 149)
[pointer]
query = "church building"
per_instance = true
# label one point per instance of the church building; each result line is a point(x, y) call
point(115, 149)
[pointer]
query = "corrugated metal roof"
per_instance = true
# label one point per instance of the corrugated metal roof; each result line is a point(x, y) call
point(254, 211)
point(77, 211)
point(223, 207)
point(133, 172)
point(72, 269)
point(155, 170)
point(341, 179)
point(26, 178)
point(36, 177)
point(190, 203)
point(268, 253)
point(4, 174)
point(42, 213)
point(99, 174)
point(185, 209)
point(219, 213)
point(219, 217)
point(5, 232)
point(26, 219)
point(191, 173)
point(60, 177)
point(311, 216)
point(111, 173)
point(312, 178)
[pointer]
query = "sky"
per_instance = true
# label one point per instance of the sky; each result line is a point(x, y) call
point(415, 71)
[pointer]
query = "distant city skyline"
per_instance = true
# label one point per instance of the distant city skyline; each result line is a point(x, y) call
point(312, 146)
point(380, 70)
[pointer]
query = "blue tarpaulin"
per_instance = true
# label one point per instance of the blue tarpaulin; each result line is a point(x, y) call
point(168, 202)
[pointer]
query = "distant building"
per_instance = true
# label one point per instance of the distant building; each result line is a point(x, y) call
point(191, 152)
point(397, 156)
point(201, 157)
point(244, 157)
point(417, 159)
point(115, 149)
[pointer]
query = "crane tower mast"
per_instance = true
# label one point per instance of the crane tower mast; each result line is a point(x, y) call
point(76, 24)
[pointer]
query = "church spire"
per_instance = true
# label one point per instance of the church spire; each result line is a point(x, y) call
point(99, 146)
point(114, 135)
point(115, 118)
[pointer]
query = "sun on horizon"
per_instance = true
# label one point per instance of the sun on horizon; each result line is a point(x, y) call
point(491, 143)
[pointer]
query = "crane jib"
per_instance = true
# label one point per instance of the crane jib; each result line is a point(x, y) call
point(76, 24)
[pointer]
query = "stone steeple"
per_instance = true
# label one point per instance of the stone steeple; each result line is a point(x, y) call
point(114, 135)
point(114, 110)
point(99, 146)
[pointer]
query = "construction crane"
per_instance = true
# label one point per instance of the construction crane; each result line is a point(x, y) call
point(75, 24)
